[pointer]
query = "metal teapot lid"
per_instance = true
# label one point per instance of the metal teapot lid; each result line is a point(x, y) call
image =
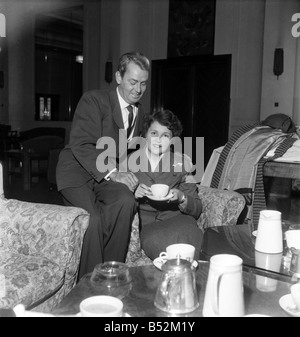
point(177, 265)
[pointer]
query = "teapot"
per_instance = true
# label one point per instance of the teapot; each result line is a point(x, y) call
point(176, 292)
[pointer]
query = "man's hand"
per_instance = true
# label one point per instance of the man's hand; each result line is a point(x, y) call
point(127, 178)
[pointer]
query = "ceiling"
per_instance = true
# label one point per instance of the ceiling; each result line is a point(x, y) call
point(61, 29)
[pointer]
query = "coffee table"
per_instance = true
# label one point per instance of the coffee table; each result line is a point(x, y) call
point(238, 240)
point(139, 301)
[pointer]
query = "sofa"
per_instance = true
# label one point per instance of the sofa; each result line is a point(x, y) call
point(219, 208)
point(40, 247)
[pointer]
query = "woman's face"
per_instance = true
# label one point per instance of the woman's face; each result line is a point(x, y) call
point(158, 138)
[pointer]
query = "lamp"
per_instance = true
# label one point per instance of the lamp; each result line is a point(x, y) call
point(79, 58)
point(278, 62)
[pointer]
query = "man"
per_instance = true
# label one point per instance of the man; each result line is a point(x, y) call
point(107, 196)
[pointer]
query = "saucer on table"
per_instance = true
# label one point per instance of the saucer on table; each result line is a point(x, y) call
point(257, 315)
point(158, 262)
point(125, 314)
point(287, 304)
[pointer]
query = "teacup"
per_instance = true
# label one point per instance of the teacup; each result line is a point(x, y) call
point(295, 292)
point(182, 250)
point(101, 306)
point(159, 190)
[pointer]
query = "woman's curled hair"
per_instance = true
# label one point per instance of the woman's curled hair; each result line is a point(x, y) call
point(164, 117)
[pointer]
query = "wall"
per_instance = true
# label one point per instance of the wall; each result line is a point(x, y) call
point(249, 30)
point(239, 31)
point(19, 93)
point(277, 34)
point(128, 25)
point(111, 27)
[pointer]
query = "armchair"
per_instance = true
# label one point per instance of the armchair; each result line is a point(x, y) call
point(40, 247)
point(219, 208)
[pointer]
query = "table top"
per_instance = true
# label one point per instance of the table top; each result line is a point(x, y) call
point(238, 240)
point(290, 170)
point(138, 299)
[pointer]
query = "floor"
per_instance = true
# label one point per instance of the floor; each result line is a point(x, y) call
point(42, 193)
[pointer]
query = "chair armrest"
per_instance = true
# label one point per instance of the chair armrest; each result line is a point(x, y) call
point(219, 207)
point(135, 255)
point(52, 231)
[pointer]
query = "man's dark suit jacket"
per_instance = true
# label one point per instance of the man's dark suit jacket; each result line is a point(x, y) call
point(98, 114)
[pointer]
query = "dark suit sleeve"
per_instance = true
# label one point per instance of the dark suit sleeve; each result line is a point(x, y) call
point(194, 204)
point(87, 128)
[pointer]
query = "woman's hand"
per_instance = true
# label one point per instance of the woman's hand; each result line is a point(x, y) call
point(142, 191)
point(177, 195)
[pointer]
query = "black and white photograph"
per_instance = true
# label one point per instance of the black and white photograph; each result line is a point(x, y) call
point(149, 161)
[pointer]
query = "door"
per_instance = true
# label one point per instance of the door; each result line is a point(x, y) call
point(197, 90)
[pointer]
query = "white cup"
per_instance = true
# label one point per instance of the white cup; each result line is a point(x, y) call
point(293, 238)
point(295, 292)
point(181, 250)
point(101, 306)
point(269, 262)
point(160, 190)
point(224, 293)
point(269, 238)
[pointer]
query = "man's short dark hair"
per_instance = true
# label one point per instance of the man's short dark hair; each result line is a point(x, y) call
point(136, 57)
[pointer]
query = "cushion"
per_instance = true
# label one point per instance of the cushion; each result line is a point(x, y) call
point(280, 121)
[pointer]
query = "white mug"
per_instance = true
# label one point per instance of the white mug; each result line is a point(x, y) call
point(269, 238)
point(101, 306)
point(182, 250)
point(268, 262)
point(293, 238)
point(295, 293)
point(224, 294)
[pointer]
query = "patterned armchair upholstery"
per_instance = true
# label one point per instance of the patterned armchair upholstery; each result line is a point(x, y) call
point(40, 247)
point(220, 208)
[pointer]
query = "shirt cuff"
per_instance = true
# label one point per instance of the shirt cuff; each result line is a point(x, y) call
point(107, 177)
point(182, 206)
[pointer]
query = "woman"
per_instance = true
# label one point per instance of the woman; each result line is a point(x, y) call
point(174, 218)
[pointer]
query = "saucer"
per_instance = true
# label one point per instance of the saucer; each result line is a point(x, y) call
point(167, 197)
point(124, 315)
point(287, 304)
point(257, 315)
point(158, 262)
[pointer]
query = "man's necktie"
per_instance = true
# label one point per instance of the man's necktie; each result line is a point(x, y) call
point(130, 120)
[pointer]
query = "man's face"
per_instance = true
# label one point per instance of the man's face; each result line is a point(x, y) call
point(133, 84)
